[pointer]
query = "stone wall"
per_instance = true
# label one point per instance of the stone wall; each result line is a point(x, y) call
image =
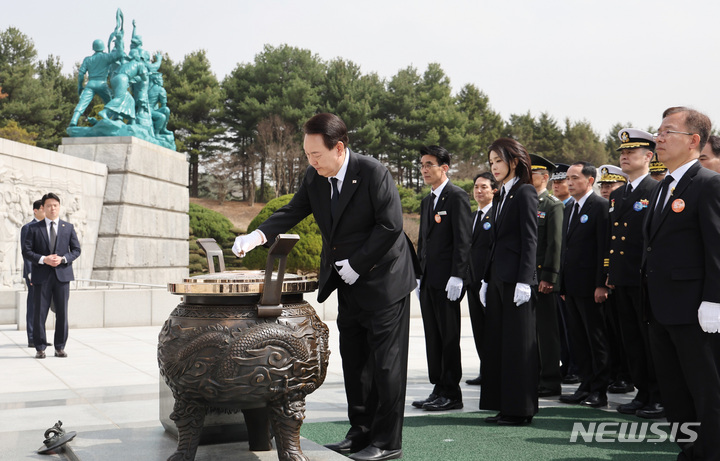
point(26, 174)
point(143, 234)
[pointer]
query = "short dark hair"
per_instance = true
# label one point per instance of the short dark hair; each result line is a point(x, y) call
point(49, 195)
point(37, 204)
point(696, 122)
point(439, 152)
point(330, 126)
point(588, 169)
point(489, 176)
point(509, 149)
point(714, 142)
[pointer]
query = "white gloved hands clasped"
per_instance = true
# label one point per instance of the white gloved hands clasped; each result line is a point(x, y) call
point(346, 272)
point(709, 317)
point(245, 243)
point(522, 293)
point(454, 288)
point(483, 292)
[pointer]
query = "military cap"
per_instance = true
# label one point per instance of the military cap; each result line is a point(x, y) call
point(656, 166)
point(560, 172)
point(632, 138)
point(612, 173)
point(541, 163)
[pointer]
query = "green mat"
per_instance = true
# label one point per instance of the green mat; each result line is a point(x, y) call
point(467, 437)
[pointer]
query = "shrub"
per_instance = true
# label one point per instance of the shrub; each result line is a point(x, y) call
point(304, 257)
point(205, 223)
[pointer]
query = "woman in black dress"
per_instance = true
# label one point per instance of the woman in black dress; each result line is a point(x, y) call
point(510, 364)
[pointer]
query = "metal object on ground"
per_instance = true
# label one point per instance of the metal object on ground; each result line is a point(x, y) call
point(55, 440)
point(244, 341)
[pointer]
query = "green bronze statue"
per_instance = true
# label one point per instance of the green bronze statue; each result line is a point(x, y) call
point(135, 100)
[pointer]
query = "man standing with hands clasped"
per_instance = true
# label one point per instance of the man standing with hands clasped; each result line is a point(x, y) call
point(681, 270)
point(444, 252)
point(369, 260)
point(52, 246)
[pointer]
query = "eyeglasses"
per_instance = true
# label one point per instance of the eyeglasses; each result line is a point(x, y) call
point(662, 134)
point(427, 166)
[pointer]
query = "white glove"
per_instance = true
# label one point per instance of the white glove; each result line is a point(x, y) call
point(454, 288)
point(483, 292)
point(245, 243)
point(522, 293)
point(709, 317)
point(347, 273)
point(417, 289)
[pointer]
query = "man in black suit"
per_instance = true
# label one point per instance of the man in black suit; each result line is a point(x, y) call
point(549, 246)
point(444, 253)
point(681, 266)
point(38, 215)
point(483, 191)
point(628, 207)
point(369, 260)
point(52, 246)
point(583, 284)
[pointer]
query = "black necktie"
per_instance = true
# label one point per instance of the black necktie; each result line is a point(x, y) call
point(476, 226)
point(500, 202)
point(53, 237)
point(661, 200)
point(335, 199)
point(628, 190)
point(575, 216)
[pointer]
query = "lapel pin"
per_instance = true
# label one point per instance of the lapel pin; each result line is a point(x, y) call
point(354, 181)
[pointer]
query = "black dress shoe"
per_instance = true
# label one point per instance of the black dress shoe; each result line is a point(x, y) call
point(630, 408)
point(420, 403)
point(443, 404)
point(346, 446)
point(652, 411)
point(571, 379)
point(475, 381)
point(372, 453)
point(620, 387)
point(595, 400)
point(60, 353)
point(514, 420)
point(577, 397)
point(493, 419)
point(40, 355)
point(545, 392)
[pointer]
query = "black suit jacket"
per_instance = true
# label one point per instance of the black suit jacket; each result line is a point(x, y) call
point(37, 244)
point(368, 231)
point(583, 254)
point(27, 263)
point(480, 247)
point(550, 218)
point(682, 254)
point(625, 245)
point(514, 236)
point(444, 247)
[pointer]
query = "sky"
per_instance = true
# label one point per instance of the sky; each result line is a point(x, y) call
point(605, 62)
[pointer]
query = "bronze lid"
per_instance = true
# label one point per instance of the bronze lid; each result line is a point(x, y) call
point(240, 283)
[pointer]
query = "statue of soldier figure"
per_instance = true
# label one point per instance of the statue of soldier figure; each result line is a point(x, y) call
point(135, 101)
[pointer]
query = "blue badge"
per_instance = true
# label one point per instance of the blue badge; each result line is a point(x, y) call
point(638, 206)
point(584, 218)
point(486, 226)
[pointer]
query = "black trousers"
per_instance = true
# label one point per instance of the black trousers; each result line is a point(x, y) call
point(477, 317)
point(441, 323)
point(689, 383)
point(634, 329)
point(510, 367)
point(58, 292)
point(30, 310)
point(374, 351)
point(619, 367)
point(586, 326)
point(548, 338)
